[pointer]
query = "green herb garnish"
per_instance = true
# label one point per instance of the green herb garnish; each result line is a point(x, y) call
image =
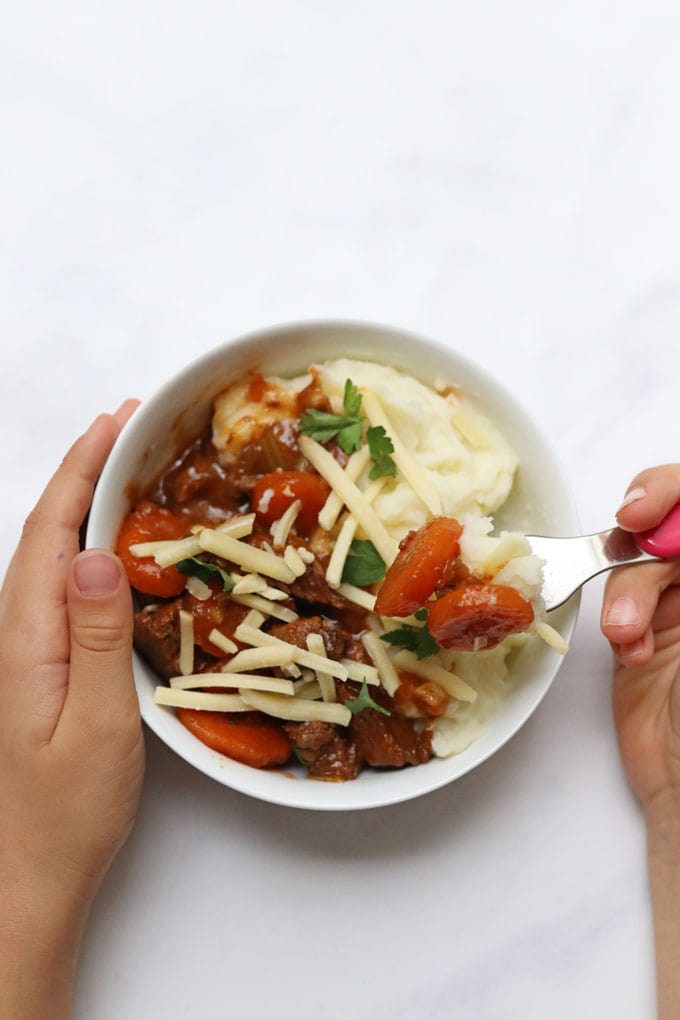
point(323, 426)
point(414, 639)
point(364, 700)
point(364, 564)
point(205, 572)
point(380, 447)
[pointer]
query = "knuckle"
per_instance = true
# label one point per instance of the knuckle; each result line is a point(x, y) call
point(100, 635)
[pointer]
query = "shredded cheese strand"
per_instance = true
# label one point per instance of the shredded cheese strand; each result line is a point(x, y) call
point(406, 463)
point(389, 678)
point(354, 467)
point(250, 681)
point(257, 561)
point(281, 529)
point(263, 605)
point(451, 682)
point(336, 564)
point(201, 700)
point(221, 641)
point(315, 644)
point(353, 498)
point(297, 709)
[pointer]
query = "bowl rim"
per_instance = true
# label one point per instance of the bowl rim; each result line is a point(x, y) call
point(254, 782)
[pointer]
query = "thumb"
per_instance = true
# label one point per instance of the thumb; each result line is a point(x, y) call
point(100, 624)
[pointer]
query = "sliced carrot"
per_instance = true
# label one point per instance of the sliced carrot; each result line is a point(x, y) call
point(150, 523)
point(275, 491)
point(478, 616)
point(247, 737)
point(425, 559)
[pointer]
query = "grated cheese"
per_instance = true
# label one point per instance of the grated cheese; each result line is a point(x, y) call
point(353, 498)
point(186, 642)
point(281, 529)
point(237, 527)
point(251, 681)
point(315, 644)
point(201, 700)
point(359, 596)
point(308, 687)
point(470, 431)
point(253, 619)
point(343, 541)
point(258, 561)
point(389, 678)
point(220, 640)
point(551, 636)
point(294, 560)
point(258, 658)
point(354, 467)
point(169, 551)
point(318, 663)
point(405, 462)
point(265, 606)
point(297, 709)
point(454, 685)
point(305, 554)
point(198, 588)
point(336, 564)
point(361, 671)
point(249, 584)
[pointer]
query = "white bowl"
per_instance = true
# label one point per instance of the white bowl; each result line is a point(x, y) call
point(541, 502)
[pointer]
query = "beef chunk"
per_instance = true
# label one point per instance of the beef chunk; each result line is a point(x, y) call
point(324, 750)
point(312, 586)
point(334, 636)
point(385, 740)
point(157, 637)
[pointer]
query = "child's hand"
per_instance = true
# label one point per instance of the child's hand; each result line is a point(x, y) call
point(71, 747)
point(641, 619)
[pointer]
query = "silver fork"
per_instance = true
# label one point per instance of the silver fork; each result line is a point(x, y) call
point(570, 562)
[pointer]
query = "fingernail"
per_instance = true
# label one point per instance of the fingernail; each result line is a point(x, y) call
point(96, 573)
point(633, 496)
point(632, 651)
point(623, 612)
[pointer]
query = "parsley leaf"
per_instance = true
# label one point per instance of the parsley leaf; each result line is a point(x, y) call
point(349, 438)
point(364, 700)
point(364, 564)
point(380, 447)
point(324, 426)
point(205, 571)
point(414, 639)
point(351, 400)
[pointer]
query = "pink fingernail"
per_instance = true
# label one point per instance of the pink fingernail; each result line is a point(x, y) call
point(633, 496)
point(632, 651)
point(623, 612)
point(96, 573)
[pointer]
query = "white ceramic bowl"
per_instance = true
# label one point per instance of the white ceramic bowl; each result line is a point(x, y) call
point(541, 502)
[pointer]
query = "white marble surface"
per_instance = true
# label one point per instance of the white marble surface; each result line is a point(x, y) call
point(500, 176)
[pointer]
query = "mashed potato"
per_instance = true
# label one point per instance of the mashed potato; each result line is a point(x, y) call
point(465, 458)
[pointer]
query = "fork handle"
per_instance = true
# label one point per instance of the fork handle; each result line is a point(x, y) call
point(663, 540)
